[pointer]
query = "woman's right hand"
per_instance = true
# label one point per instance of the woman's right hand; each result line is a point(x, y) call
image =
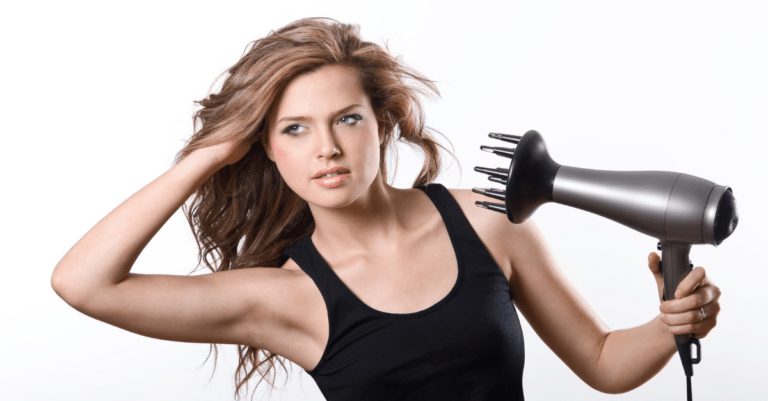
point(229, 152)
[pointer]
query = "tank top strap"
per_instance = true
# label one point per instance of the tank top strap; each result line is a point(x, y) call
point(344, 309)
point(312, 263)
point(477, 258)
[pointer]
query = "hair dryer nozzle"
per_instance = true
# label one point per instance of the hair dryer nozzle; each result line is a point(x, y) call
point(531, 178)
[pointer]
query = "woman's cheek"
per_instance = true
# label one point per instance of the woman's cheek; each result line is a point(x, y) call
point(282, 158)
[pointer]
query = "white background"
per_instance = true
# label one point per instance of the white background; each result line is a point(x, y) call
point(97, 98)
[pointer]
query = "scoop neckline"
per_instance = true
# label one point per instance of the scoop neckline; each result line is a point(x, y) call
point(454, 290)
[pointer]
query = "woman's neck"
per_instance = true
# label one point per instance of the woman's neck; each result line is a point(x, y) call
point(374, 221)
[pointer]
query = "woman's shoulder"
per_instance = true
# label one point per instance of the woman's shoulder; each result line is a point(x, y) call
point(479, 218)
point(491, 227)
point(487, 220)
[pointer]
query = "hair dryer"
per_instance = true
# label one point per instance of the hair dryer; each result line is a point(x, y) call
point(679, 209)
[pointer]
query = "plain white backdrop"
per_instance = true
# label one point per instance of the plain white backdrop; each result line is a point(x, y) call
point(97, 99)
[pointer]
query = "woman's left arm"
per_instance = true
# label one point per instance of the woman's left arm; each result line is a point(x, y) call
point(694, 310)
point(609, 361)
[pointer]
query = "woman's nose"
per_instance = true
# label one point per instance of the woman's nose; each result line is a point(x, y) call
point(328, 145)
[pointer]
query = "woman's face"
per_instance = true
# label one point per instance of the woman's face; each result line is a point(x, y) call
point(316, 113)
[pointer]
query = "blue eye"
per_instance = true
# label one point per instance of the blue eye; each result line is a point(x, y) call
point(355, 116)
point(291, 129)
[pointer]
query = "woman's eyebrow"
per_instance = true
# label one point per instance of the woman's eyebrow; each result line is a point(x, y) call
point(305, 118)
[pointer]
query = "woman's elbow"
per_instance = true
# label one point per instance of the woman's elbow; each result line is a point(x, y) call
point(612, 386)
point(63, 287)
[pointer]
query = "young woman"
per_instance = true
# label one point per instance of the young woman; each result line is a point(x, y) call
point(377, 292)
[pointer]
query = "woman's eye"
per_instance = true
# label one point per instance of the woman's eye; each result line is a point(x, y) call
point(349, 119)
point(352, 116)
point(291, 129)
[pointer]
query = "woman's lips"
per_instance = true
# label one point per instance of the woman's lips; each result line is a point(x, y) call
point(332, 182)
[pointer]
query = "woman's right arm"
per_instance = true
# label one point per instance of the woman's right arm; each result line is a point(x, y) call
point(94, 276)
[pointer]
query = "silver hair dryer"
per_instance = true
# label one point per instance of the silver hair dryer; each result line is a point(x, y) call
point(679, 209)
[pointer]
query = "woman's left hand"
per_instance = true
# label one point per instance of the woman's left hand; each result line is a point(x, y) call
point(696, 304)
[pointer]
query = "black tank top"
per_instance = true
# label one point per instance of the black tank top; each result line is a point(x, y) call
point(468, 346)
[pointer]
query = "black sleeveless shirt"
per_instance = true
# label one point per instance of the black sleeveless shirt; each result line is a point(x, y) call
point(468, 346)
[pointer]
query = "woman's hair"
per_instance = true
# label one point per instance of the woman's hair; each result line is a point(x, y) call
point(245, 215)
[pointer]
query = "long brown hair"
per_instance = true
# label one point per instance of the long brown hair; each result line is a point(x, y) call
point(245, 215)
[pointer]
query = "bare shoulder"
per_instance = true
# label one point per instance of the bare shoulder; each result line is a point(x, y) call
point(520, 243)
point(493, 228)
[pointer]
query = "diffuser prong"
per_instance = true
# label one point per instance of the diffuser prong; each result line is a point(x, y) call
point(499, 151)
point(491, 193)
point(497, 207)
point(505, 137)
point(493, 172)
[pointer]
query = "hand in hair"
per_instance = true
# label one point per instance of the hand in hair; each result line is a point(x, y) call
point(229, 151)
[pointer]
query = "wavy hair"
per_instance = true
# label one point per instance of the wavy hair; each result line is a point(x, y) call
point(245, 215)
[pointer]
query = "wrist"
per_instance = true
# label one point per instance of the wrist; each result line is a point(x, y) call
point(668, 339)
point(207, 156)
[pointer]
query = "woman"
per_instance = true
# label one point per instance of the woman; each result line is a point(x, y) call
point(377, 292)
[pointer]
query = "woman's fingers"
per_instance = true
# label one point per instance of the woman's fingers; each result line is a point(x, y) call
point(699, 329)
point(692, 316)
point(702, 296)
point(695, 278)
point(653, 265)
point(692, 322)
point(696, 312)
point(704, 292)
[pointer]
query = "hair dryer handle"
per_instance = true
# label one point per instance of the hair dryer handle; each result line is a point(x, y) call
point(675, 265)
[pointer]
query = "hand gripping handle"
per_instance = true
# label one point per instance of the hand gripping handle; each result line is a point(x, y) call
point(675, 266)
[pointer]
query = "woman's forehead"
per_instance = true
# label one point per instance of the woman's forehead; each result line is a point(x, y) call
point(321, 93)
